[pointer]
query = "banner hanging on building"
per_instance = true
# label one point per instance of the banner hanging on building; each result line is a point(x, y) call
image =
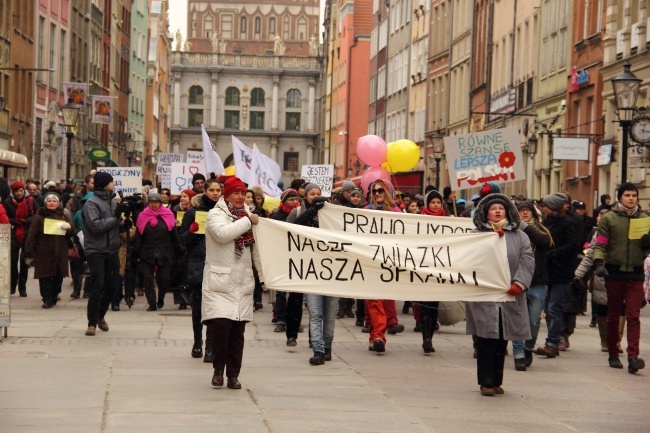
point(436, 268)
point(341, 218)
point(76, 93)
point(492, 155)
point(102, 107)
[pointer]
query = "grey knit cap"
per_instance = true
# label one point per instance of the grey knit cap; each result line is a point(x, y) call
point(310, 186)
point(555, 201)
point(348, 185)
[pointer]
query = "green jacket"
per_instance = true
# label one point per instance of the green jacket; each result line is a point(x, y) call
point(621, 255)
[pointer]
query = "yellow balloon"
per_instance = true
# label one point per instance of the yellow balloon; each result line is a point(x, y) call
point(230, 170)
point(403, 155)
point(271, 203)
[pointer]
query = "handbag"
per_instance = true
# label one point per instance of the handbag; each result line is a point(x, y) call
point(73, 252)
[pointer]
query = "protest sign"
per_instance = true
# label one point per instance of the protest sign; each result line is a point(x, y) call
point(322, 175)
point(638, 228)
point(492, 155)
point(166, 181)
point(201, 218)
point(195, 157)
point(179, 218)
point(353, 220)
point(450, 267)
point(181, 177)
point(52, 226)
point(127, 179)
point(164, 159)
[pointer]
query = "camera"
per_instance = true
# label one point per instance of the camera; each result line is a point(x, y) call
point(129, 205)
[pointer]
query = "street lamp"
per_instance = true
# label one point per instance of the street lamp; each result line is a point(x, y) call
point(532, 146)
point(130, 150)
point(438, 150)
point(70, 113)
point(626, 92)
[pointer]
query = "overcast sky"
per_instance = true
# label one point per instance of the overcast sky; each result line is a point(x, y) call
point(178, 16)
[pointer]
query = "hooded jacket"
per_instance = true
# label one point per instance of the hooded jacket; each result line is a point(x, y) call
point(561, 257)
point(483, 317)
point(101, 228)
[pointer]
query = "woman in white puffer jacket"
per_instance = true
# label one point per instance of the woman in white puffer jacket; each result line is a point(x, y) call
point(228, 281)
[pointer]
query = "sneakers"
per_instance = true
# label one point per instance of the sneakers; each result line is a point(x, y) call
point(317, 359)
point(520, 364)
point(528, 357)
point(101, 324)
point(635, 364)
point(90, 331)
point(280, 327)
point(395, 328)
point(614, 362)
point(378, 345)
point(291, 342)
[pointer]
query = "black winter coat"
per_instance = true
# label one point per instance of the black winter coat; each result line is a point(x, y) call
point(157, 245)
point(561, 258)
point(541, 242)
point(194, 243)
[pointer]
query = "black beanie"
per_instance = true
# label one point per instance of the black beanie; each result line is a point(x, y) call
point(430, 196)
point(198, 176)
point(626, 186)
point(102, 179)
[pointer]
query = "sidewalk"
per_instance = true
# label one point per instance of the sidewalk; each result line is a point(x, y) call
point(139, 377)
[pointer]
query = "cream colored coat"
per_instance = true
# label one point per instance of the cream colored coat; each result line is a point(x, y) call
point(228, 282)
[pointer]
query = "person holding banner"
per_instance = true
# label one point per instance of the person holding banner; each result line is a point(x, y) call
point(382, 314)
point(156, 246)
point(228, 281)
point(194, 243)
point(494, 323)
point(47, 249)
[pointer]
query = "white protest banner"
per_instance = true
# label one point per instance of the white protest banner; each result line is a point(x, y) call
point(322, 175)
point(166, 174)
point(195, 157)
point(213, 163)
point(181, 177)
point(492, 155)
point(262, 175)
point(243, 157)
point(127, 179)
point(166, 159)
point(454, 267)
point(341, 218)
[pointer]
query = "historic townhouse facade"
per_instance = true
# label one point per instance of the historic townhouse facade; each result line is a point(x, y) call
point(138, 78)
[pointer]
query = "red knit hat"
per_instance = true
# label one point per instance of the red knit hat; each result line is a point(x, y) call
point(233, 184)
point(17, 185)
point(188, 192)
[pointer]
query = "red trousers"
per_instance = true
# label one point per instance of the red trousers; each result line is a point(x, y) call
point(380, 314)
point(631, 293)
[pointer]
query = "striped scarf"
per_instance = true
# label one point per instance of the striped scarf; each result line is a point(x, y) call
point(246, 239)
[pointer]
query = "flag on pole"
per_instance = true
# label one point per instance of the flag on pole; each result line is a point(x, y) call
point(211, 158)
point(262, 175)
point(243, 156)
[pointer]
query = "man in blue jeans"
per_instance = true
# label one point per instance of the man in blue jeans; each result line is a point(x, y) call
point(560, 260)
point(540, 241)
point(102, 242)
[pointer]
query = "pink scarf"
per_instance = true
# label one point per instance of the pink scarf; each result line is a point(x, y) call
point(150, 216)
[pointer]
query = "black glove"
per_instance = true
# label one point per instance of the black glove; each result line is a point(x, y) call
point(128, 224)
point(645, 241)
point(319, 202)
point(599, 269)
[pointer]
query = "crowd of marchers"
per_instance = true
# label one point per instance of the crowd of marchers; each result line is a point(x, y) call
point(200, 246)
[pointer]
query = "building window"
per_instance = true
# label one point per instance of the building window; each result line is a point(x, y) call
point(291, 161)
point(293, 122)
point(232, 96)
point(257, 120)
point(272, 26)
point(226, 26)
point(208, 26)
point(196, 95)
point(529, 92)
point(52, 53)
point(258, 25)
point(195, 118)
point(231, 120)
point(41, 48)
point(293, 98)
point(257, 97)
point(242, 25)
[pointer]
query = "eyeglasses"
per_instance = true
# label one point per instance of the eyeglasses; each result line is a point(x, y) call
point(378, 191)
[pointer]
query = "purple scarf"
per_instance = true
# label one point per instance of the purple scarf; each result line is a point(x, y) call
point(150, 216)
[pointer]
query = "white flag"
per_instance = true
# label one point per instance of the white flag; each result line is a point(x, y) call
point(263, 176)
point(243, 156)
point(211, 159)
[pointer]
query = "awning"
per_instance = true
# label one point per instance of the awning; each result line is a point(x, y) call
point(12, 159)
point(111, 163)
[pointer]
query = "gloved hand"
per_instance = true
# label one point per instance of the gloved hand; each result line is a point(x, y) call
point(194, 227)
point(645, 241)
point(319, 202)
point(599, 269)
point(515, 289)
point(65, 226)
point(128, 224)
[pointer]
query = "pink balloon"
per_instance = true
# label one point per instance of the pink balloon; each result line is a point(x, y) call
point(371, 175)
point(372, 150)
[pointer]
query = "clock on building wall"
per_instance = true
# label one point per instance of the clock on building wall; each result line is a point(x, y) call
point(640, 130)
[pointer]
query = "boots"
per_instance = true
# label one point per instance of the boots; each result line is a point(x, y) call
point(197, 349)
point(621, 331)
point(208, 346)
point(328, 354)
point(602, 330)
point(317, 359)
point(426, 324)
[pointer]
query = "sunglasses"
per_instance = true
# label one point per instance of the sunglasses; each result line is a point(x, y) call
point(378, 191)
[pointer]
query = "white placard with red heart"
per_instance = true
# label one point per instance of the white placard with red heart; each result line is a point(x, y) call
point(194, 157)
point(182, 176)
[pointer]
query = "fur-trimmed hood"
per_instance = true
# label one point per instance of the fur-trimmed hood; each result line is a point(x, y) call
point(480, 221)
point(194, 201)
